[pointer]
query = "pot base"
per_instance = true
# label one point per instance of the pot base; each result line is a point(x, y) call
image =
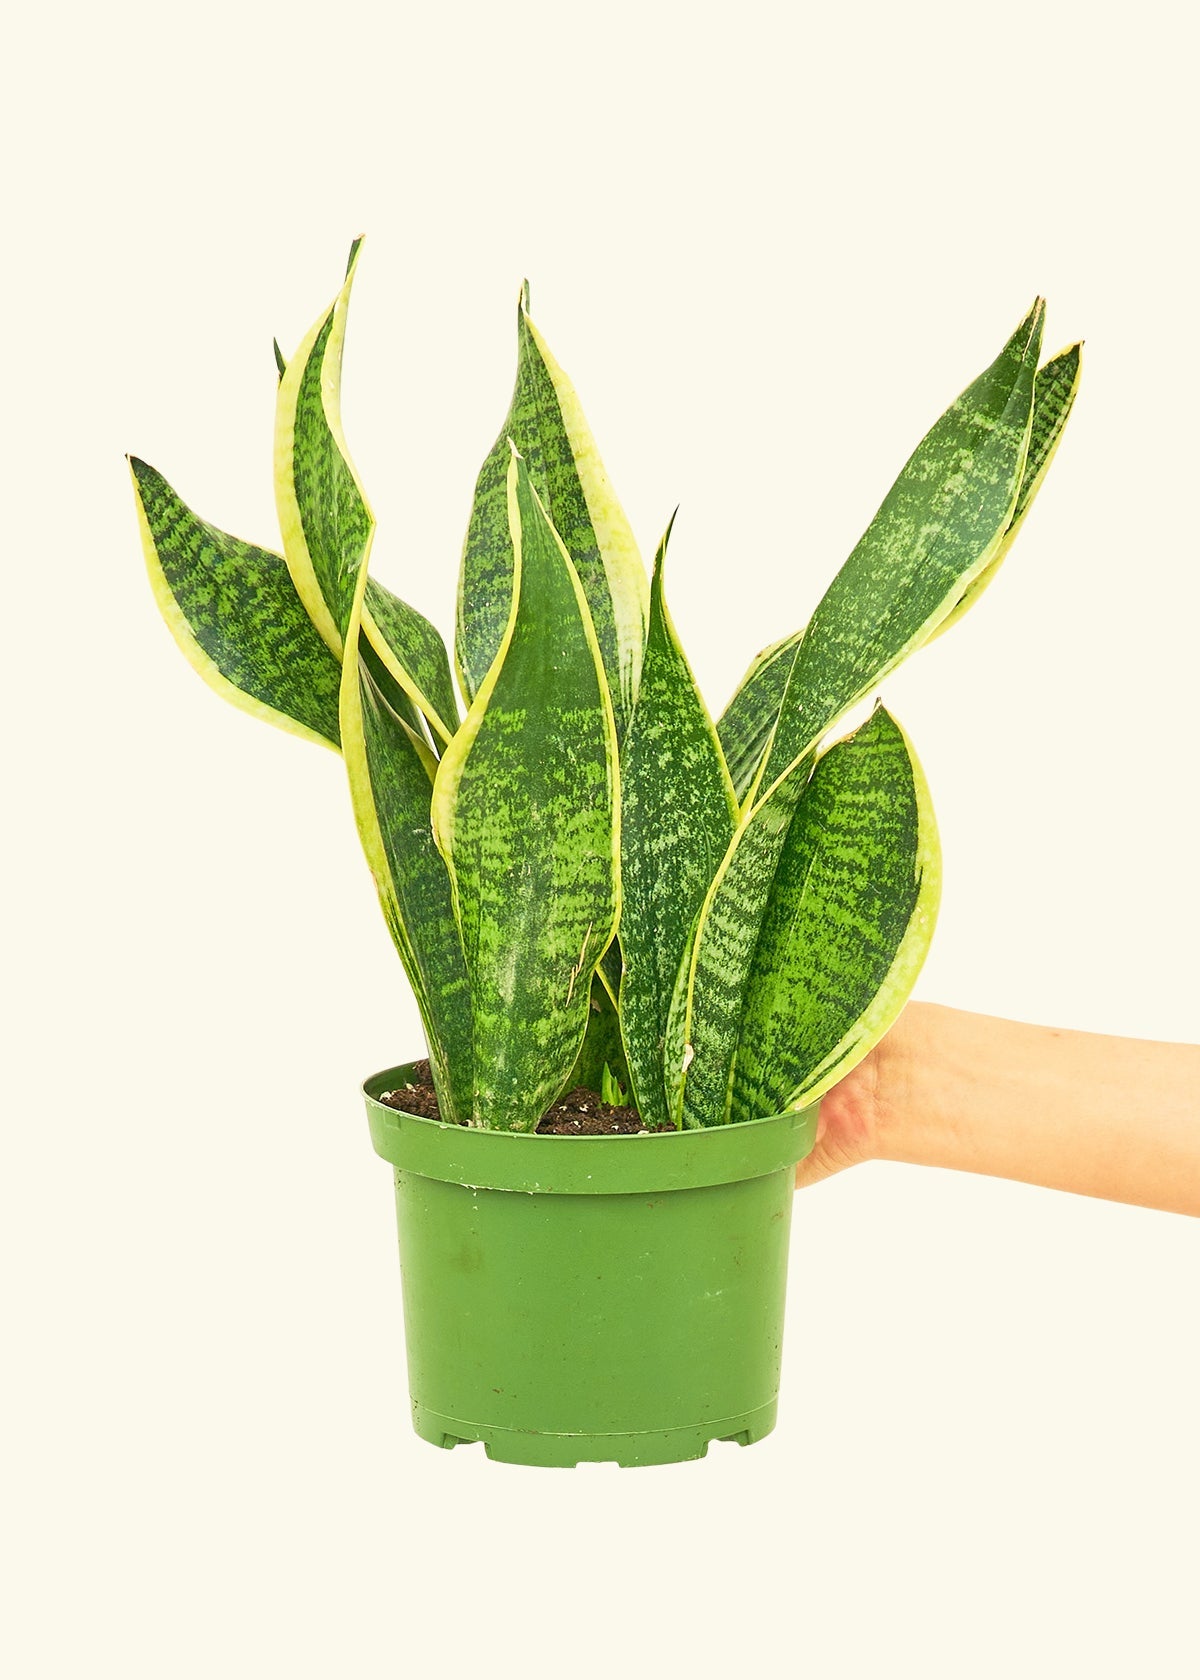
point(629, 1450)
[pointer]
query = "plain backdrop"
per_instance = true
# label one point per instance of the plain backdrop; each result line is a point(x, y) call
point(770, 243)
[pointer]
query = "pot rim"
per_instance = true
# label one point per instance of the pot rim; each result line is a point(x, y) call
point(527, 1161)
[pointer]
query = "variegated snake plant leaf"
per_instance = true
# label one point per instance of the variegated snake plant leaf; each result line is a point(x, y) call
point(588, 882)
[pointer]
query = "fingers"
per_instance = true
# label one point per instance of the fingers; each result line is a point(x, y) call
point(831, 1153)
point(816, 1165)
point(820, 1164)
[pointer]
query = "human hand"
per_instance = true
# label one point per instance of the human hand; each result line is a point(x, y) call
point(853, 1116)
point(1100, 1116)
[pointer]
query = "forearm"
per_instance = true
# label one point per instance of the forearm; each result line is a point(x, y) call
point(1111, 1117)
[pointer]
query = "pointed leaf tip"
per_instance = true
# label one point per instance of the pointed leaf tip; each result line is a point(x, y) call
point(678, 813)
point(1034, 322)
point(661, 552)
point(525, 793)
point(546, 423)
point(353, 257)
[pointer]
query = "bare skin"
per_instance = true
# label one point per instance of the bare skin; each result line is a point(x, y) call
point(1111, 1117)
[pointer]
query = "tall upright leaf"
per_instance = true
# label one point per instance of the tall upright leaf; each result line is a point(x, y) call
point(847, 925)
point(234, 612)
point(546, 424)
point(526, 815)
point(924, 532)
point(324, 518)
point(325, 524)
point(939, 526)
point(1053, 399)
point(328, 527)
point(678, 814)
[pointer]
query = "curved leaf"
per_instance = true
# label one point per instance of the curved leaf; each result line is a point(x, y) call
point(847, 926)
point(234, 612)
point(324, 518)
point(327, 524)
point(546, 424)
point(328, 527)
point(525, 813)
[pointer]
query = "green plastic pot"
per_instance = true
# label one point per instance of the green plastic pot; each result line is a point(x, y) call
point(572, 1299)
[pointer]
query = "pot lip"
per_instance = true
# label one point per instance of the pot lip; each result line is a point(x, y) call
point(527, 1161)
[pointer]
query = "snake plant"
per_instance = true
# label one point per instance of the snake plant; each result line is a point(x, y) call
point(586, 880)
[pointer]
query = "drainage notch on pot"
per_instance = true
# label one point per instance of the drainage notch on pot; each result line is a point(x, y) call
point(569, 1300)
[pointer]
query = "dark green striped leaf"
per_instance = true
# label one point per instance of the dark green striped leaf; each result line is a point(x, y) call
point(324, 518)
point(546, 424)
point(706, 1010)
point(413, 881)
point(848, 923)
point(390, 691)
point(525, 807)
point(678, 814)
point(939, 526)
point(747, 722)
point(1053, 398)
point(957, 497)
point(328, 527)
point(234, 612)
point(414, 653)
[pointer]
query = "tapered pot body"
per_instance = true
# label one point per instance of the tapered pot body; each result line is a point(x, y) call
point(569, 1299)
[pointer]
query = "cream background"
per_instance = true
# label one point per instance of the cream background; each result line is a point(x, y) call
point(769, 243)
